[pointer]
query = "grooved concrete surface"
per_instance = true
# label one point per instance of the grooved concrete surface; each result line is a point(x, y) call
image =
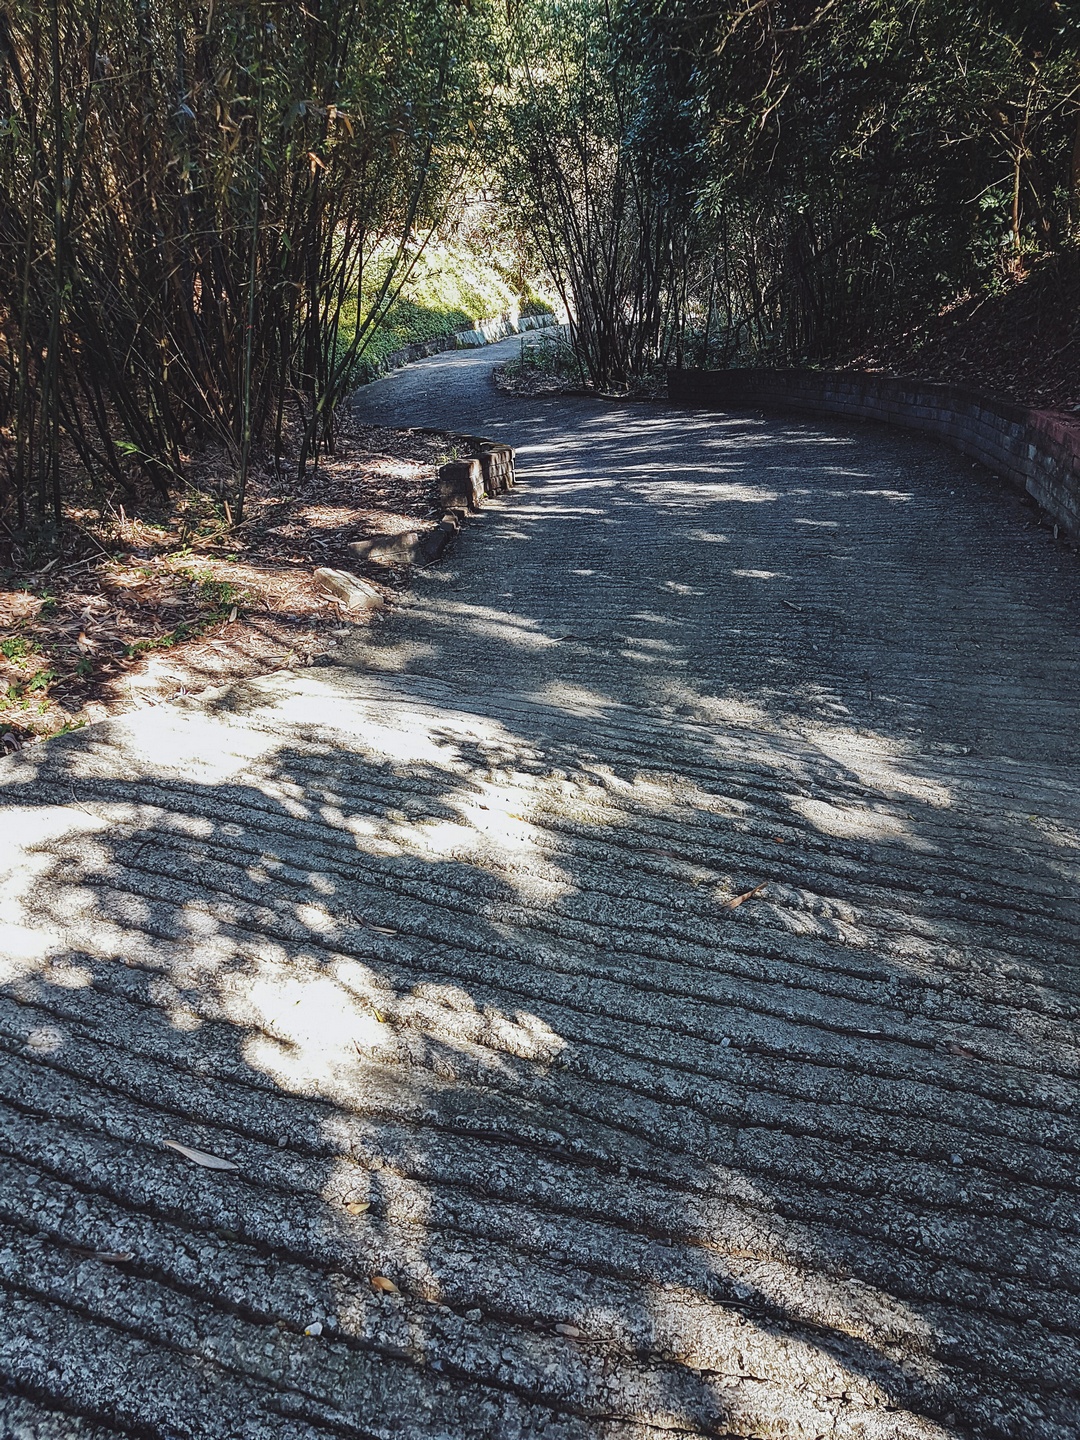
point(445, 931)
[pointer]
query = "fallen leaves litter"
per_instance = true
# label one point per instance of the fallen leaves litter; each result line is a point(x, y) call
point(746, 895)
point(177, 597)
point(357, 1207)
point(380, 1282)
point(201, 1157)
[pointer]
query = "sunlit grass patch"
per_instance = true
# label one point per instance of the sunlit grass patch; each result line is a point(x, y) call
point(447, 290)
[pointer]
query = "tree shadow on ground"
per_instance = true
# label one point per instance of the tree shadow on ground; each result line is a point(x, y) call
point(632, 1158)
point(454, 940)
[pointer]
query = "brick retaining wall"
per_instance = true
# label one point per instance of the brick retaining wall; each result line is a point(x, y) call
point(1037, 450)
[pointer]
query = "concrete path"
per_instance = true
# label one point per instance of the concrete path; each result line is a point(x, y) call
point(438, 948)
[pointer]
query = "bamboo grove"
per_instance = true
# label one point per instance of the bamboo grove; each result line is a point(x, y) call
point(206, 208)
point(188, 197)
point(776, 180)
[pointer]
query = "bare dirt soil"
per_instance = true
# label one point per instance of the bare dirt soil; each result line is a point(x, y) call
point(170, 598)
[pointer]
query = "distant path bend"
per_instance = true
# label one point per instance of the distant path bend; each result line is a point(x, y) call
point(651, 955)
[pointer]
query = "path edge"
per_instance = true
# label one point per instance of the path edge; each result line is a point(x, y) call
point(1037, 451)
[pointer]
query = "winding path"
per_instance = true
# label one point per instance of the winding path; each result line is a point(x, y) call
point(438, 947)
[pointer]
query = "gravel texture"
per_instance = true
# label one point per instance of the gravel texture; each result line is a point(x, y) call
point(535, 1130)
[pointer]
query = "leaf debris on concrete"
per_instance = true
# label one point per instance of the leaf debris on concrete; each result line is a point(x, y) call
point(200, 1157)
point(738, 900)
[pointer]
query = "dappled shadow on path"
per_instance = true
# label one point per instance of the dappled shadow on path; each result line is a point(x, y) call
point(483, 978)
point(453, 940)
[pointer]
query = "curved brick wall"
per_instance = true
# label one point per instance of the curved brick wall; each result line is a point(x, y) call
point(1038, 450)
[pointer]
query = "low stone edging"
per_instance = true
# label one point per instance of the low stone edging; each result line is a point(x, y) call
point(488, 332)
point(483, 332)
point(463, 484)
point(1035, 450)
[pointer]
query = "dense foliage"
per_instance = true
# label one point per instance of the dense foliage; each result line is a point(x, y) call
point(782, 178)
point(207, 211)
point(189, 195)
point(868, 160)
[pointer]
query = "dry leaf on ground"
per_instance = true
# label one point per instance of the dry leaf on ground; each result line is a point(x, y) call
point(746, 895)
point(201, 1157)
point(380, 1282)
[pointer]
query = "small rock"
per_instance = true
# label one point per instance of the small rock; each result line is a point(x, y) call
point(315, 1328)
point(473, 1314)
point(388, 549)
point(411, 547)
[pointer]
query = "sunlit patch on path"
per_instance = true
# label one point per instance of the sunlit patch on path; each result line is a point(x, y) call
point(635, 994)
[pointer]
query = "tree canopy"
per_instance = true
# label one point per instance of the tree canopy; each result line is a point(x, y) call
point(205, 209)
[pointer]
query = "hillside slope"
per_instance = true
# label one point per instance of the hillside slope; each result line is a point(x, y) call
point(1022, 343)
